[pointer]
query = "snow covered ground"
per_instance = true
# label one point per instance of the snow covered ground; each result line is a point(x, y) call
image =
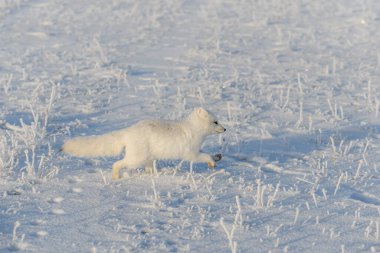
point(296, 83)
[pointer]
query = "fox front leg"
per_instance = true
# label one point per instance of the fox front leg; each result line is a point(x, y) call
point(206, 158)
point(203, 158)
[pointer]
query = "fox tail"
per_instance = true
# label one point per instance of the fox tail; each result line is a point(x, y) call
point(110, 144)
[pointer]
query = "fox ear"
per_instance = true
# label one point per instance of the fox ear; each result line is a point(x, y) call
point(201, 112)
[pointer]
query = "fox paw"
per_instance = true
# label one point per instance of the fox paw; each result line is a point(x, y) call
point(211, 164)
point(116, 176)
point(217, 157)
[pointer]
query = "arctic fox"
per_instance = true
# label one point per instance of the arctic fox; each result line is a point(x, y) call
point(150, 140)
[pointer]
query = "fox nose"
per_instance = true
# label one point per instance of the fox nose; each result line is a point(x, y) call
point(224, 129)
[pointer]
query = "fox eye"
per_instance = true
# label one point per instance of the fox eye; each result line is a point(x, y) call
point(216, 122)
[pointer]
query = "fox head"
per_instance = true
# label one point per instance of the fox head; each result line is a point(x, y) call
point(207, 122)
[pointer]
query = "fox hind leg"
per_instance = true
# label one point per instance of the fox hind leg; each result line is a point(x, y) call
point(149, 167)
point(132, 160)
point(116, 168)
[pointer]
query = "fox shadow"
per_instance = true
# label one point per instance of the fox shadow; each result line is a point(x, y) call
point(285, 146)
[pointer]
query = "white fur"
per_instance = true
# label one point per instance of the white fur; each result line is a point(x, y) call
point(151, 140)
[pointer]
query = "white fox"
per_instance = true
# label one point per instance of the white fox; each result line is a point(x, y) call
point(150, 140)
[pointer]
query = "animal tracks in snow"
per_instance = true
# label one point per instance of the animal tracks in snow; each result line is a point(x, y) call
point(76, 190)
point(58, 211)
point(41, 233)
point(57, 200)
point(75, 180)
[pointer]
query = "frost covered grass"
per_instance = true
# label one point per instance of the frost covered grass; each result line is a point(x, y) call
point(295, 83)
point(26, 147)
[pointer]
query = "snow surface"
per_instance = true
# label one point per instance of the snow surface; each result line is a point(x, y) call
point(296, 82)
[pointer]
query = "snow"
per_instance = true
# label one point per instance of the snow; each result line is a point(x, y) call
point(296, 83)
